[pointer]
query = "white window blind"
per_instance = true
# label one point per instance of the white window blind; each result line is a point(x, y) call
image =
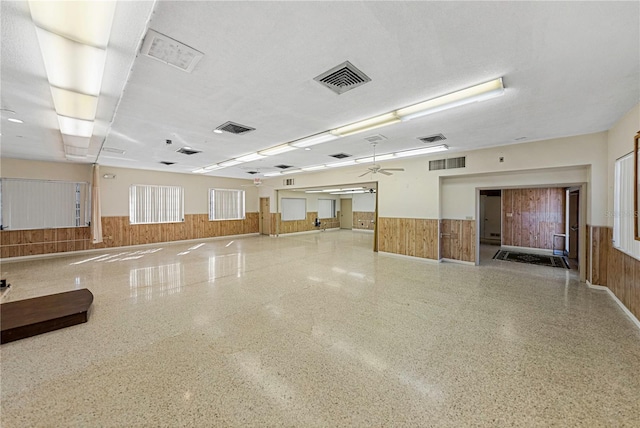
point(623, 215)
point(40, 204)
point(155, 204)
point(293, 209)
point(326, 208)
point(226, 204)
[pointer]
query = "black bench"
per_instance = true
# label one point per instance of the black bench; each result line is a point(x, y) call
point(29, 317)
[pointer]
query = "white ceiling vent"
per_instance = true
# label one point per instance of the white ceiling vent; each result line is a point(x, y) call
point(188, 151)
point(170, 51)
point(432, 138)
point(377, 138)
point(342, 78)
point(235, 128)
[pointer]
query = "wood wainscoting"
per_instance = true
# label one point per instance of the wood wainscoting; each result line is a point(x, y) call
point(614, 269)
point(118, 232)
point(416, 237)
point(364, 220)
point(458, 240)
point(307, 225)
point(530, 217)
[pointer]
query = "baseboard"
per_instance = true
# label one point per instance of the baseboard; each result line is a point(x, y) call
point(363, 231)
point(528, 250)
point(404, 256)
point(626, 310)
point(306, 232)
point(460, 262)
point(98, 250)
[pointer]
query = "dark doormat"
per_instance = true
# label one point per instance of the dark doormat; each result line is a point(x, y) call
point(533, 259)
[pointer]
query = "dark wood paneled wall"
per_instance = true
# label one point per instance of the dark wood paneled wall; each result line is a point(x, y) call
point(415, 237)
point(530, 217)
point(306, 225)
point(363, 220)
point(614, 269)
point(117, 232)
point(458, 240)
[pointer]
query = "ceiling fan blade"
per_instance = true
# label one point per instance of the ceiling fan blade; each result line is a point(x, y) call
point(364, 174)
point(382, 171)
point(393, 169)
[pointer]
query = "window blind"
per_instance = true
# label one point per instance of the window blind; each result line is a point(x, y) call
point(40, 204)
point(155, 204)
point(226, 204)
point(326, 208)
point(623, 215)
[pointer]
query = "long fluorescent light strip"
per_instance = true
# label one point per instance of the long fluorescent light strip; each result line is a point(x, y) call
point(424, 151)
point(250, 157)
point(314, 139)
point(77, 127)
point(282, 148)
point(367, 124)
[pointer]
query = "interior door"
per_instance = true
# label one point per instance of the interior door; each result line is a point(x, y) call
point(265, 217)
point(346, 214)
point(574, 224)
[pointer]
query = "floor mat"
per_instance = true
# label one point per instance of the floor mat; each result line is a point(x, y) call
point(533, 259)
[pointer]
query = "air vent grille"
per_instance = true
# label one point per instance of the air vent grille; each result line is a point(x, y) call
point(340, 156)
point(187, 151)
point(172, 52)
point(282, 166)
point(235, 128)
point(375, 138)
point(432, 138)
point(252, 172)
point(167, 162)
point(342, 78)
point(113, 150)
point(451, 163)
point(288, 181)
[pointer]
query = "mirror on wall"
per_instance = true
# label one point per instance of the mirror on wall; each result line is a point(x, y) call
point(636, 185)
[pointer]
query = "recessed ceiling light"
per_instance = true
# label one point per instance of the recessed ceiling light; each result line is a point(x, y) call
point(307, 148)
point(11, 119)
point(218, 131)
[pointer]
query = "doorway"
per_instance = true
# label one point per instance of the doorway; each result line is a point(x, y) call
point(490, 217)
point(265, 217)
point(346, 213)
point(573, 225)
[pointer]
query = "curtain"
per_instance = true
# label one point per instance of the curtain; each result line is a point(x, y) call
point(96, 212)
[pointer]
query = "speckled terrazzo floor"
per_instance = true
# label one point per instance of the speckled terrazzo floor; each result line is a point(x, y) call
point(317, 330)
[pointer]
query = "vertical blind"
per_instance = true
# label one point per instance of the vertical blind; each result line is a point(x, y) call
point(326, 208)
point(155, 204)
point(40, 204)
point(226, 204)
point(623, 215)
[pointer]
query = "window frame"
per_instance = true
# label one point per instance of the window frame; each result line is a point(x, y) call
point(156, 186)
point(211, 202)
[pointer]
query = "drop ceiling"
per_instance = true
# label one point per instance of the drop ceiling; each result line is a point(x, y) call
point(569, 68)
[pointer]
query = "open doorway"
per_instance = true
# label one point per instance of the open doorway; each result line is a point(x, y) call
point(572, 230)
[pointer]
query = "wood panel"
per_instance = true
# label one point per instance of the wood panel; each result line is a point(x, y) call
point(408, 236)
point(364, 220)
point(118, 232)
point(601, 243)
point(458, 240)
point(530, 217)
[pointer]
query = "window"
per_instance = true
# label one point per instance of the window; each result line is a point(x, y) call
point(226, 204)
point(40, 204)
point(155, 204)
point(293, 209)
point(326, 208)
point(623, 215)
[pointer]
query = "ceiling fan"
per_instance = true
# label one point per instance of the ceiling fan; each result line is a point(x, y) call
point(375, 169)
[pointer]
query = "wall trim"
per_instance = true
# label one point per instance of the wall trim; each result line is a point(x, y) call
point(632, 317)
point(98, 250)
point(528, 250)
point(306, 232)
point(460, 262)
point(366, 231)
point(404, 256)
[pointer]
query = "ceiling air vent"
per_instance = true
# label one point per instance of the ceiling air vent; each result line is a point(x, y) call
point(235, 128)
point(340, 156)
point(288, 181)
point(170, 51)
point(188, 151)
point(432, 138)
point(113, 150)
point(167, 162)
point(376, 138)
point(451, 163)
point(252, 172)
point(342, 78)
point(281, 166)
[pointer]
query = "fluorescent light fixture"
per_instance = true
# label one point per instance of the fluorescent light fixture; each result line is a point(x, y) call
point(291, 171)
point(331, 190)
point(424, 151)
point(14, 120)
point(82, 21)
point(481, 92)
point(71, 65)
point(367, 124)
point(77, 127)
point(313, 191)
point(314, 139)
point(75, 141)
point(212, 167)
point(348, 189)
point(272, 174)
point(343, 163)
point(74, 104)
point(250, 157)
point(378, 158)
point(218, 131)
point(348, 193)
point(75, 151)
point(231, 162)
point(314, 168)
point(282, 148)
point(199, 171)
